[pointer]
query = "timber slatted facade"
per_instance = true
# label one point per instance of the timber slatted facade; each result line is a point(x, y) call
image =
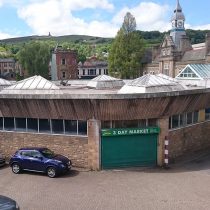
point(103, 109)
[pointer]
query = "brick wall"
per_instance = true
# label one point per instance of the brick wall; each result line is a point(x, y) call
point(74, 147)
point(189, 139)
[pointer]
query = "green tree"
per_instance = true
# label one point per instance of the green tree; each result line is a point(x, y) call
point(35, 57)
point(126, 51)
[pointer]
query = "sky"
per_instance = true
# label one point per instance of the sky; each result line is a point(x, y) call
point(94, 17)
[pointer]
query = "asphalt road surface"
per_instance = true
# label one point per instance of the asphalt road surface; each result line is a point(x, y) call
point(184, 186)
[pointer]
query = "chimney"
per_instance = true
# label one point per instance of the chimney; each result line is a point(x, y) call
point(207, 43)
point(184, 44)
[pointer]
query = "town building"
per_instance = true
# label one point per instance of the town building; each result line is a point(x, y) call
point(114, 125)
point(176, 50)
point(63, 65)
point(7, 68)
point(92, 67)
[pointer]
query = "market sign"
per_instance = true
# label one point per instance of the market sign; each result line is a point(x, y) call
point(129, 131)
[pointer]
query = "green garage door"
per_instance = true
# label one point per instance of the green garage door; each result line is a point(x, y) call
point(129, 147)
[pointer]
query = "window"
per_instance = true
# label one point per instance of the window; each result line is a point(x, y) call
point(142, 123)
point(99, 71)
point(63, 61)
point(83, 71)
point(130, 123)
point(91, 71)
point(57, 126)
point(106, 124)
point(44, 126)
point(189, 118)
point(71, 127)
point(82, 127)
point(9, 124)
point(188, 73)
point(207, 114)
point(175, 121)
point(166, 72)
point(32, 125)
point(63, 74)
point(182, 120)
point(1, 123)
point(20, 124)
point(195, 117)
point(152, 122)
point(35, 154)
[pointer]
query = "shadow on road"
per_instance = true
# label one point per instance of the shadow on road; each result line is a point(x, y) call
point(191, 162)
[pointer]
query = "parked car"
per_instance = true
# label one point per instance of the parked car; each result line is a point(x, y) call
point(8, 203)
point(2, 160)
point(39, 160)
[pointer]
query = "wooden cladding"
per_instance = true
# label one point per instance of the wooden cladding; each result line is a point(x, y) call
point(103, 109)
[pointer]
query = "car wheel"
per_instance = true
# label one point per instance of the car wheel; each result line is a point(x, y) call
point(51, 172)
point(16, 168)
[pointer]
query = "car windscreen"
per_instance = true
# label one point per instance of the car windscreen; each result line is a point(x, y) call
point(47, 153)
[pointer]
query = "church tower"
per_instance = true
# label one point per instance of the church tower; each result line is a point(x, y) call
point(178, 29)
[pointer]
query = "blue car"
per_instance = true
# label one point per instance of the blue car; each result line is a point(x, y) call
point(39, 160)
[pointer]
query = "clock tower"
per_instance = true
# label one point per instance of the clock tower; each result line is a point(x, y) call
point(177, 21)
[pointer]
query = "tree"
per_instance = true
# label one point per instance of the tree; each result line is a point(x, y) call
point(129, 24)
point(126, 50)
point(35, 57)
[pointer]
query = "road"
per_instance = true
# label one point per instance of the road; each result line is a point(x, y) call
point(183, 186)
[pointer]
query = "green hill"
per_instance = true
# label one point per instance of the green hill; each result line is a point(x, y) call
point(59, 39)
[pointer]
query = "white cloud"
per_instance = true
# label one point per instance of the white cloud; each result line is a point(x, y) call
point(149, 16)
point(56, 17)
point(5, 35)
point(201, 27)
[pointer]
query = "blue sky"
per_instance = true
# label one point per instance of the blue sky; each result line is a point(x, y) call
point(94, 17)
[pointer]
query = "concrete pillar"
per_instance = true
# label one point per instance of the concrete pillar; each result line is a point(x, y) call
point(201, 115)
point(94, 137)
point(163, 123)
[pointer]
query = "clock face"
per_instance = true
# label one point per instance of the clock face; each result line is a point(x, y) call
point(180, 24)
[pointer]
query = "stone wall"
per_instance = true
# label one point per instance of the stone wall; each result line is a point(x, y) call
point(74, 147)
point(189, 139)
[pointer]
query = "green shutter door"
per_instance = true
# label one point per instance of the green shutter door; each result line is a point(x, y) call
point(128, 151)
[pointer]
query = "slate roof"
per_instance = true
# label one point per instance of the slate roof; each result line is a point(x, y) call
point(193, 55)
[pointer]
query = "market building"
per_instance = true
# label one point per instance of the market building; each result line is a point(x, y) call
point(107, 125)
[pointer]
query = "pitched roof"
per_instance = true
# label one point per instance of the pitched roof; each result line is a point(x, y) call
point(192, 55)
point(151, 84)
point(33, 83)
point(105, 81)
point(201, 70)
point(4, 82)
point(150, 80)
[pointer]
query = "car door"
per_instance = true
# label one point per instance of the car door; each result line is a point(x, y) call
point(37, 161)
point(25, 159)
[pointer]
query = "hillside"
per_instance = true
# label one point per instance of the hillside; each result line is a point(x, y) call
point(59, 39)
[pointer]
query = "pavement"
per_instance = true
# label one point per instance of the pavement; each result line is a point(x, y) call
point(186, 185)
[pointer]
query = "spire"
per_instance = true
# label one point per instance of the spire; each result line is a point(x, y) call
point(177, 21)
point(178, 7)
point(178, 14)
